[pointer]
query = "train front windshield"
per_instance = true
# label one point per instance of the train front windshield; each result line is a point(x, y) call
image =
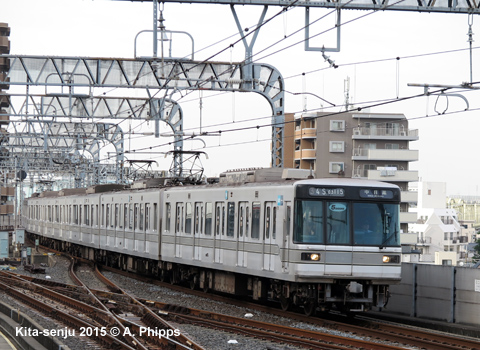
point(342, 222)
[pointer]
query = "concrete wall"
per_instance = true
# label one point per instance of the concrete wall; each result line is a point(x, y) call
point(444, 293)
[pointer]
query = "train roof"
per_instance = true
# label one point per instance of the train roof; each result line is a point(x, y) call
point(348, 182)
point(242, 177)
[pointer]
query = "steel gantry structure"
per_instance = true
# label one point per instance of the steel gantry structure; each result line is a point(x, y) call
point(68, 82)
point(70, 97)
point(66, 148)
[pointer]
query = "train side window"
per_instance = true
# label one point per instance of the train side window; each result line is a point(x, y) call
point(178, 220)
point(117, 217)
point(86, 217)
point(121, 216)
point(240, 220)
point(155, 216)
point(198, 214)
point(130, 217)
point(231, 219)
point(147, 216)
point(218, 209)
point(289, 219)
point(188, 218)
point(208, 218)
point(223, 220)
point(107, 215)
point(201, 219)
point(266, 233)
point(125, 215)
point(135, 217)
point(256, 220)
point(96, 214)
point(141, 216)
point(247, 220)
point(75, 214)
point(111, 222)
point(168, 213)
point(274, 223)
point(268, 222)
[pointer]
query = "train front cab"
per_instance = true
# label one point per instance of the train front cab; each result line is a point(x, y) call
point(338, 260)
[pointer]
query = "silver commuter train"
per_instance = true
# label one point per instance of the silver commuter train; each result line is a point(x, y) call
point(314, 243)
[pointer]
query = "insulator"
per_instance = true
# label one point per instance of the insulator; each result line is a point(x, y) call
point(234, 81)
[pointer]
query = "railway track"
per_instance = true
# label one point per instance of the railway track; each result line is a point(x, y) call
point(140, 321)
point(271, 332)
point(408, 337)
point(375, 335)
point(71, 313)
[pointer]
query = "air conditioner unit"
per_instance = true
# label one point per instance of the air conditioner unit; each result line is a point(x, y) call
point(356, 132)
point(403, 133)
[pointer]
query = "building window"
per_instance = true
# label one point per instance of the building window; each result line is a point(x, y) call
point(337, 146)
point(336, 167)
point(364, 172)
point(337, 125)
point(392, 146)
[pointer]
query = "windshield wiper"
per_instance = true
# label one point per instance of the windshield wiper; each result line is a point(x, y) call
point(389, 237)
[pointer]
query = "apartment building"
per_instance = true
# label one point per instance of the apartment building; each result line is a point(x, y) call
point(439, 229)
point(6, 192)
point(370, 146)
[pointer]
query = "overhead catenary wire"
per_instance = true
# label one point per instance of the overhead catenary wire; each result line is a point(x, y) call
point(377, 104)
point(291, 92)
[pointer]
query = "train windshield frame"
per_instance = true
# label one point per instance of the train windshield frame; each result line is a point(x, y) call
point(347, 216)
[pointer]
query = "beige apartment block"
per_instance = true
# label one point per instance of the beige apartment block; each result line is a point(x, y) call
point(369, 146)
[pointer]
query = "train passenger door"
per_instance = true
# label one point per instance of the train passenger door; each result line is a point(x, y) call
point(269, 231)
point(218, 232)
point(178, 230)
point(197, 230)
point(286, 234)
point(243, 223)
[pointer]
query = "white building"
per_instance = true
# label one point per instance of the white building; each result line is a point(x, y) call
point(441, 238)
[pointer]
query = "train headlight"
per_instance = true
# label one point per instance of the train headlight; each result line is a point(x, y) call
point(391, 259)
point(311, 256)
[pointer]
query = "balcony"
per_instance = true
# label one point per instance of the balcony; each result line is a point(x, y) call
point(401, 155)
point(306, 133)
point(407, 217)
point(408, 238)
point(425, 241)
point(391, 176)
point(305, 154)
point(409, 196)
point(362, 133)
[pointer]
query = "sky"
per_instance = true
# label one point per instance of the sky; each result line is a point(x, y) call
point(431, 49)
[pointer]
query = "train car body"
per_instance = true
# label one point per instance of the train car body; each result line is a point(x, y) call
point(316, 243)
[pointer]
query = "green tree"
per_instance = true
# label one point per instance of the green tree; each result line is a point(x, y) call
point(476, 255)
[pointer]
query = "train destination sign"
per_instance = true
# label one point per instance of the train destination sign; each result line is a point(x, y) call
point(326, 192)
point(369, 193)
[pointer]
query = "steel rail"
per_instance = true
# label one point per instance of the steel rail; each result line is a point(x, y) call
point(153, 320)
point(130, 338)
point(70, 320)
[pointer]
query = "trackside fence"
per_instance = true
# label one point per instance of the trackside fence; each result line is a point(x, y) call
point(443, 293)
